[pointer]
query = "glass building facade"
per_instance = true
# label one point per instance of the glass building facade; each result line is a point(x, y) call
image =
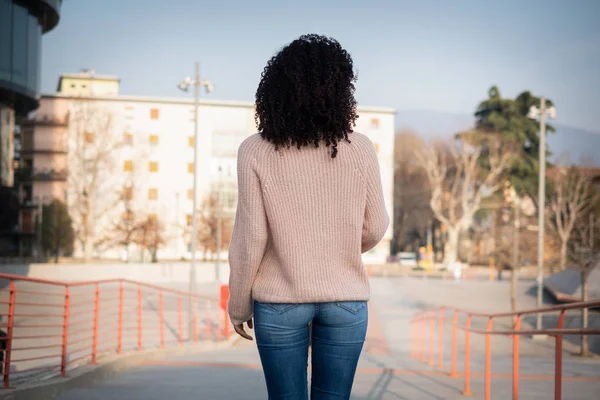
point(22, 23)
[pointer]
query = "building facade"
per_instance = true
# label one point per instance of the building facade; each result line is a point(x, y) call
point(150, 169)
point(22, 24)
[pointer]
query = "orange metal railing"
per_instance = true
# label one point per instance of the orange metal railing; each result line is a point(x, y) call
point(424, 324)
point(52, 326)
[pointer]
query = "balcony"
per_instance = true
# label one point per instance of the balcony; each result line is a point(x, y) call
point(44, 151)
point(43, 175)
point(28, 204)
point(46, 120)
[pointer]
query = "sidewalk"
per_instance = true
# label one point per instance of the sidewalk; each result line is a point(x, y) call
point(385, 371)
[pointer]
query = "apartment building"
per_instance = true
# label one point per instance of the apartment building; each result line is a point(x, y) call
point(152, 159)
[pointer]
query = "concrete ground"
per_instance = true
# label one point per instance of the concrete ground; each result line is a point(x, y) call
point(386, 370)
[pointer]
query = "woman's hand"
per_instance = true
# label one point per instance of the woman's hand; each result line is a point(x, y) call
point(242, 332)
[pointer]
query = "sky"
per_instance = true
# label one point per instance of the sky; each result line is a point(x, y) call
point(410, 55)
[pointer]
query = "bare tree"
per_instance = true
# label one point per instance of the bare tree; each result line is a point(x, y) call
point(209, 226)
point(573, 196)
point(150, 236)
point(123, 231)
point(412, 212)
point(582, 251)
point(131, 203)
point(461, 172)
point(92, 161)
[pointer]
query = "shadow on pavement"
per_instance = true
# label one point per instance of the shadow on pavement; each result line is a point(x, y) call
point(382, 388)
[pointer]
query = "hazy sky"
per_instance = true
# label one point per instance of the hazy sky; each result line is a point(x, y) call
point(410, 55)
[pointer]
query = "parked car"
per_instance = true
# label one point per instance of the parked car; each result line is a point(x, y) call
point(407, 259)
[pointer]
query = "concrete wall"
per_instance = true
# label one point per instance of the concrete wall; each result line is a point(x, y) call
point(160, 273)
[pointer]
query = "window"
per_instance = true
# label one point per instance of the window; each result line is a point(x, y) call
point(153, 194)
point(127, 193)
point(375, 123)
point(128, 138)
point(153, 139)
point(129, 107)
point(191, 141)
point(191, 168)
point(154, 113)
point(376, 145)
point(127, 215)
point(190, 194)
point(153, 166)
point(128, 166)
point(188, 219)
point(88, 137)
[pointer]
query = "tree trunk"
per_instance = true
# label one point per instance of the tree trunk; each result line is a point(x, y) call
point(584, 312)
point(563, 255)
point(513, 289)
point(451, 246)
point(87, 247)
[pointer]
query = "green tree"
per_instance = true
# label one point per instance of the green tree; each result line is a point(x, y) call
point(508, 118)
point(9, 220)
point(57, 230)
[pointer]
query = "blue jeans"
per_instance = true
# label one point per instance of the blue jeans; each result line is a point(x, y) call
point(282, 335)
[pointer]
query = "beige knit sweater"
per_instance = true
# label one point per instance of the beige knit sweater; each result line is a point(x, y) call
point(303, 219)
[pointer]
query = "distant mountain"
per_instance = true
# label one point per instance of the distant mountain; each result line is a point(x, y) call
point(433, 124)
point(567, 144)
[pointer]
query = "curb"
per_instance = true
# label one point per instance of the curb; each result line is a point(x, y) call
point(92, 375)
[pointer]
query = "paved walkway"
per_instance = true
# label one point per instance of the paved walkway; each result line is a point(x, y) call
point(386, 370)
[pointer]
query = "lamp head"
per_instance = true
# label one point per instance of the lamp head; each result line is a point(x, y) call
point(208, 86)
point(183, 86)
point(533, 113)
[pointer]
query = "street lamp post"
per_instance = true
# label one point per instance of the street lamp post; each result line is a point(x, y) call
point(219, 227)
point(541, 113)
point(184, 85)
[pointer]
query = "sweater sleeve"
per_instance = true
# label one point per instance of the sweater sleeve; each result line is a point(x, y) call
point(376, 220)
point(248, 241)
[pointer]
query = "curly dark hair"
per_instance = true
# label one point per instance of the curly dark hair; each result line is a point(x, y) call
point(306, 95)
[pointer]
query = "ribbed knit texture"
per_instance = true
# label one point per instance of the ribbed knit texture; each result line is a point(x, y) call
point(302, 222)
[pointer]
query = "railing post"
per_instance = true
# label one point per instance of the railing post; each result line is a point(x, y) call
point(223, 300)
point(488, 360)
point(195, 321)
point(120, 321)
point(558, 359)
point(9, 334)
point(412, 339)
point(441, 342)
point(226, 322)
point(424, 339)
point(453, 372)
point(417, 337)
point(467, 390)
point(139, 317)
point(432, 339)
point(180, 320)
point(515, 377)
point(161, 314)
point(65, 336)
point(208, 321)
point(219, 327)
point(96, 317)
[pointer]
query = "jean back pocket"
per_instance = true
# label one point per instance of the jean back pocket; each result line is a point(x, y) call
point(352, 306)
